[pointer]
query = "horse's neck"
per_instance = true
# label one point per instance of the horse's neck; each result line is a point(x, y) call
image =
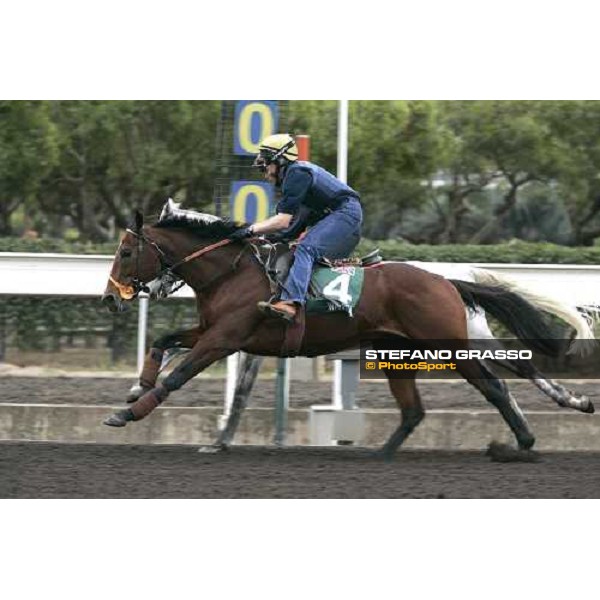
point(181, 244)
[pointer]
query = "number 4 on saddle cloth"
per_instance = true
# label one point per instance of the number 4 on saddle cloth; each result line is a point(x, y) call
point(334, 286)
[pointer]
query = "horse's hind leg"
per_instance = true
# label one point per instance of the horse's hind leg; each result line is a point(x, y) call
point(407, 397)
point(248, 370)
point(478, 329)
point(496, 392)
point(561, 395)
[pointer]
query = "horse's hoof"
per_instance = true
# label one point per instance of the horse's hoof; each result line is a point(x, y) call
point(213, 449)
point(505, 453)
point(385, 456)
point(588, 407)
point(115, 420)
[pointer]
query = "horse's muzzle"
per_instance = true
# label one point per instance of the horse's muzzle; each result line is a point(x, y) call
point(113, 303)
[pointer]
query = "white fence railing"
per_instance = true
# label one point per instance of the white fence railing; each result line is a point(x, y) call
point(67, 275)
point(57, 274)
point(86, 275)
point(576, 285)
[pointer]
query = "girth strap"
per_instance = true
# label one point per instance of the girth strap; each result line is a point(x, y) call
point(294, 334)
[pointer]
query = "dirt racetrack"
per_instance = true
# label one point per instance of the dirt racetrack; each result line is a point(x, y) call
point(50, 470)
point(44, 470)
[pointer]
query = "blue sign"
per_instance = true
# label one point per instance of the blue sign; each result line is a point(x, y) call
point(251, 201)
point(254, 121)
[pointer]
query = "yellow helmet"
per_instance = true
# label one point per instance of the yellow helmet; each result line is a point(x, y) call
point(276, 148)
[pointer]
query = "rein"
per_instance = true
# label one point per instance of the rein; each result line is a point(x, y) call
point(200, 252)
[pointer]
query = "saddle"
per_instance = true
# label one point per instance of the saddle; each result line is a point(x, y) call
point(277, 259)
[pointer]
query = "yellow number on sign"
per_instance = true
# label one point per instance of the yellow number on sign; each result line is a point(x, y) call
point(245, 125)
point(240, 204)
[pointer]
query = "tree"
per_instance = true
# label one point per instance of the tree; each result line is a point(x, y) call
point(393, 147)
point(575, 124)
point(117, 156)
point(515, 139)
point(28, 150)
point(504, 144)
point(449, 172)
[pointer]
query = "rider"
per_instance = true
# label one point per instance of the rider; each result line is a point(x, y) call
point(310, 196)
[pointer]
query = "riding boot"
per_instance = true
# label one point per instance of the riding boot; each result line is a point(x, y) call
point(282, 310)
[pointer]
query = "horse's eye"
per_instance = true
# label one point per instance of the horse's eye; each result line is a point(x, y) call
point(125, 253)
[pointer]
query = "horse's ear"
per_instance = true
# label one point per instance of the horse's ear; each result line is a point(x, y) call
point(139, 220)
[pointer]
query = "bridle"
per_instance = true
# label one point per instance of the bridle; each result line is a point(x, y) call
point(167, 268)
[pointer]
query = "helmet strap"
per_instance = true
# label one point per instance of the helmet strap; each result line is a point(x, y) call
point(279, 154)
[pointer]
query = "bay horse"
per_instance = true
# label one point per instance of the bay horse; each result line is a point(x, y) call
point(398, 301)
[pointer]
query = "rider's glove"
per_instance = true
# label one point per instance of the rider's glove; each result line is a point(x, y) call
point(241, 234)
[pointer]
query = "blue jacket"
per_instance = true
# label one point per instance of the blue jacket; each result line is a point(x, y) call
point(307, 184)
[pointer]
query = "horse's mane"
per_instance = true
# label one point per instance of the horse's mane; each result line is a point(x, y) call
point(211, 228)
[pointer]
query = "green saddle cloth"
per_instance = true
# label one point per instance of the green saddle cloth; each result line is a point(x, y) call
point(335, 289)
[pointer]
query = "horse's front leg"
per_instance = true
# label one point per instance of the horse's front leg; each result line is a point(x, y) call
point(213, 345)
point(161, 353)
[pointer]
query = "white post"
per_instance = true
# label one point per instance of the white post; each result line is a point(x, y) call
point(342, 147)
point(282, 397)
point(342, 174)
point(233, 363)
point(141, 335)
point(337, 385)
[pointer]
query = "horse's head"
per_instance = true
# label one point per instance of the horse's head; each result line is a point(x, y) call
point(137, 261)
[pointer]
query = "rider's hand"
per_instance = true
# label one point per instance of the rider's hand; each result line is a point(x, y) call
point(241, 234)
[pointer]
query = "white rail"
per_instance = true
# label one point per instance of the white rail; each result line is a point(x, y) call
point(23, 273)
point(576, 285)
point(33, 274)
point(86, 275)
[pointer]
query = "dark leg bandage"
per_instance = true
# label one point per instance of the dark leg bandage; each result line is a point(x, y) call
point(148, 402)
point(151, 368)
point(177, 377)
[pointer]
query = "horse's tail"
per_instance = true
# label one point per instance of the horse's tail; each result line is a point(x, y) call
point(582, 321)
point(590, 313)
point(522, 312)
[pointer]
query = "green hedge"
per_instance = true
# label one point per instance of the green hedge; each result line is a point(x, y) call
point(45, 323)
point(513, 252)
point(11, 244)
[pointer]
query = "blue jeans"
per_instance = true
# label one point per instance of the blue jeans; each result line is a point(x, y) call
point(335, 236)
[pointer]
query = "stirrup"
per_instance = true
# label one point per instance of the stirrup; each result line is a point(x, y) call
point(269, 309)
